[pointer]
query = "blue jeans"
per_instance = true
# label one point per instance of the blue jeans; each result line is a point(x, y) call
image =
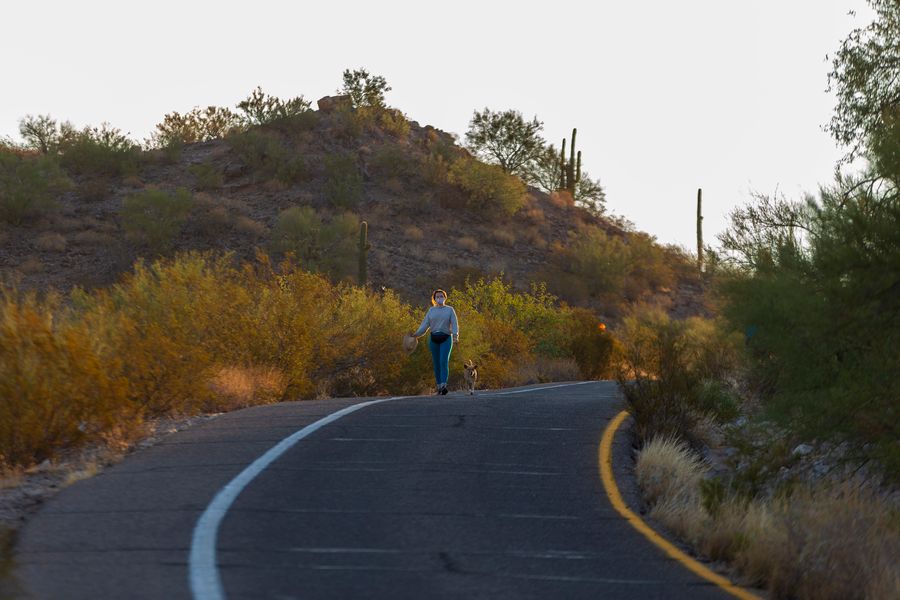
point(440, 356)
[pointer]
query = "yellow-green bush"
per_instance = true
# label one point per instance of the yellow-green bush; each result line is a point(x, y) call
point(56, 388)
point(201, 332)
point(489, 188)
point(394, 122)
point(665, 370)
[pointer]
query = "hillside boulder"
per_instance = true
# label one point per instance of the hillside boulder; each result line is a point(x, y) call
point(329, 104)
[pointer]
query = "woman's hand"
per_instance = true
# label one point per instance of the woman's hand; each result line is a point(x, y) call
point(455, 339)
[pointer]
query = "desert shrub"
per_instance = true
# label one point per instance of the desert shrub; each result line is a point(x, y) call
point(394, 122)
point(820, 542)
point(247, 226)
point(614, 268)
point(155, 217)
point(343, 181)
point(210, 217)
point(206, 175)
point(57, 390)
point(592, 345)
point(489, 188)
point(435, 169)
point(536, 313)
point(103, 150)
point(349, 123)
point(320, 245)
point(664, 370)
point(268, 157)
point(365, 90)
point(503, 237)
point(391, 160)
point(468, 243)
point(50, 242)
point(197, 125)
point(260, 108)
point(28, 186)
point(95, 189)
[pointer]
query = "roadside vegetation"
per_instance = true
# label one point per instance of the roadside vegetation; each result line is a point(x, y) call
point(797, 379)
point(204, 333)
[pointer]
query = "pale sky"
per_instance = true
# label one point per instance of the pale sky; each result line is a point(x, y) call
point(667, 96)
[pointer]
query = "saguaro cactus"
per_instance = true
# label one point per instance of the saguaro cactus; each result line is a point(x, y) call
point(699, 230)
point(570, 171)
point(363, 253)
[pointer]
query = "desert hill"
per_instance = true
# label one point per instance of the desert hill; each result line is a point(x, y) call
point(424, 230)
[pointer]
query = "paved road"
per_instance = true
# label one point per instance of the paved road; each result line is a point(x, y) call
point(429, 497)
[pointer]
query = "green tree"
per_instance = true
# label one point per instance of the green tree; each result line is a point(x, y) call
point(365, 90)
point(40, 133)
point(506, 139)
point(589, 194)
point(543, 170)
point(865, 79)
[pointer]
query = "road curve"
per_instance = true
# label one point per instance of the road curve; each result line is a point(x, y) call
point(496, 496)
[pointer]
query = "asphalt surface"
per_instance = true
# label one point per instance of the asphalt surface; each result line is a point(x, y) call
point(496, 496)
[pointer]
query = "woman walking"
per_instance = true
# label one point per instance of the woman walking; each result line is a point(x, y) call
point(441, 320)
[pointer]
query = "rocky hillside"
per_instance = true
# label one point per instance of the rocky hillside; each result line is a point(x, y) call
point(423, 230)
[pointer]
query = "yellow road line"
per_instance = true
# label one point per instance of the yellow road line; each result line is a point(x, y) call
point(612, 491)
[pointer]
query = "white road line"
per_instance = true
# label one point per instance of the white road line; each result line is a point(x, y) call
point(202, 570)
point(540, 389)
point(203, 574)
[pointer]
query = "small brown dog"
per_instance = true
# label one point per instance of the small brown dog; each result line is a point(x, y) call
point(471, 375)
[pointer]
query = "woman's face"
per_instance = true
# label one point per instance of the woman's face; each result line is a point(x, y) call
point(439, 298)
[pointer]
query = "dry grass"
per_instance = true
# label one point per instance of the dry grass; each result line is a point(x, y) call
point(11, 478)
point(238, 387)
point(133, 181)
point(543, 370)
point(503, 237)
point(213, 222)
point(467, 243)
point(562, 199)
point(414, 233)
point(247, 226)
point(534, 215)
point(31, 264)
point(667, 469)
point(50, 242)
point(820, 543)
point(85, 471)
point(274, 186)
point(534, 237)
point(395, 186)
point(92, 238)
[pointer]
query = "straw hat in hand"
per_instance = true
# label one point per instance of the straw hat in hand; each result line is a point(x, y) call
point(409, 342)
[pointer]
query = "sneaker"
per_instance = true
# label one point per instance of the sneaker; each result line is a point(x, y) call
point(444, 389)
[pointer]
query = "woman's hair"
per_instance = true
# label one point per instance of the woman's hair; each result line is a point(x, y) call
point(435, 293)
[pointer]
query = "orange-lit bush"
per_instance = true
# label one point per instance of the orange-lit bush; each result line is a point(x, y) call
point(56, 389)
